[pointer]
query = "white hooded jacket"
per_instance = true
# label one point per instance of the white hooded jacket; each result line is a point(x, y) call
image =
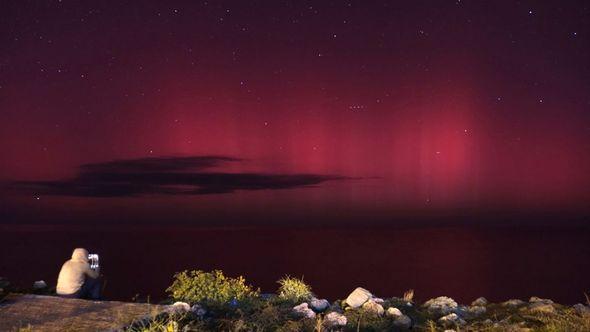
point(74, 272)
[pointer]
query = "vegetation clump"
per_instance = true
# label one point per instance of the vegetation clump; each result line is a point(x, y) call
point(294, 290)
point(252, 312)
point(209, 288)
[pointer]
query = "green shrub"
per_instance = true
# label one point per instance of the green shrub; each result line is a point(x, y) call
point(293, 289)
point(209, 287)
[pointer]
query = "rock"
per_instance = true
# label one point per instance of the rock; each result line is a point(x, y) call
point(335, 319)
point(451, 320)
point(403, 322)
point(393, 312)
point(358, 297)
point(319, 305)
point(513, 303)
point(373, 307)
point(540, 306)
point(179, 308)
point(535, 299)
point(399, 319)
point(441, 305)
point(480, 302)
point(581, 309)
point(302, 310)
point(450, 331)
point(198, 310)
point(39, 284)
point(476, 310)
point(378, 300)
point(462, 310)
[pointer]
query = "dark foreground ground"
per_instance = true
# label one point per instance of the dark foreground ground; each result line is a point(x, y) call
point(464, 263)
point(48, 313)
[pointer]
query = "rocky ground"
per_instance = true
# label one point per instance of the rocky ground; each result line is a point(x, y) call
point(362, 311)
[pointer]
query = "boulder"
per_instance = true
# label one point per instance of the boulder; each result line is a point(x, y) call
point(535, 299)
point(440, 306)
point(179, 308)
point(403, 322)
point(378, 300)
point(39, 284)
point(335, 319)
point(541, 306)
point(393, 312)
point(319, 305)
point(480, 302)
point(581, 309)
point(451, 320)
point(513, 303)
point(302, 310)
point(358, 297)
point(373, 307)
point(476, 310)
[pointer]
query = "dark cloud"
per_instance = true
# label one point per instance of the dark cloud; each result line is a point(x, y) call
point(166, 176)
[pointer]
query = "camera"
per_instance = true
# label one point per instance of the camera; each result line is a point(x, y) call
point(93, 259)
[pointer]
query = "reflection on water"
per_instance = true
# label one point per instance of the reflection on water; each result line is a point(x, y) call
point(461, 263)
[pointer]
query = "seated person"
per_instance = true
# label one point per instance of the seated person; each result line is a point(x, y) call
point(76, 278)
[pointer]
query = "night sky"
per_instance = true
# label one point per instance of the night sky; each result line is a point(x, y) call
point(293, 112)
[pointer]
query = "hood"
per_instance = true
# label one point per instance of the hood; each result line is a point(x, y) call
point(80, 254)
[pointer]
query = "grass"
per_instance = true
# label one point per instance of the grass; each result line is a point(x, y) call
point(252, 312)
point(233, 305)
point(294, 290)
point(274, 314)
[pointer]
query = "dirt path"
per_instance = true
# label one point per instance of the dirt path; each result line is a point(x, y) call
point(49, 313)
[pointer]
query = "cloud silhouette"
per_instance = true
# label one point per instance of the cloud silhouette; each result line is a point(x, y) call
point(166, 176)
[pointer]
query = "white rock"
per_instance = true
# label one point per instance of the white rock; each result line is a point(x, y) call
point(39, 284)
point(393, 312)
point(451, 320)
point(378, 300)
point(373, 307)
point(319, 305)
point(335, 319)
point(358, 297)
point(480, 301)
point(303, 310)
point(441, 305)
point(179, 308)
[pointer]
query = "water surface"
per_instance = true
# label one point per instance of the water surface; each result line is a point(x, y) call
point(464, 263)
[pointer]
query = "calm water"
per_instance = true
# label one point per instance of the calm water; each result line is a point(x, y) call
point(463, 263)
